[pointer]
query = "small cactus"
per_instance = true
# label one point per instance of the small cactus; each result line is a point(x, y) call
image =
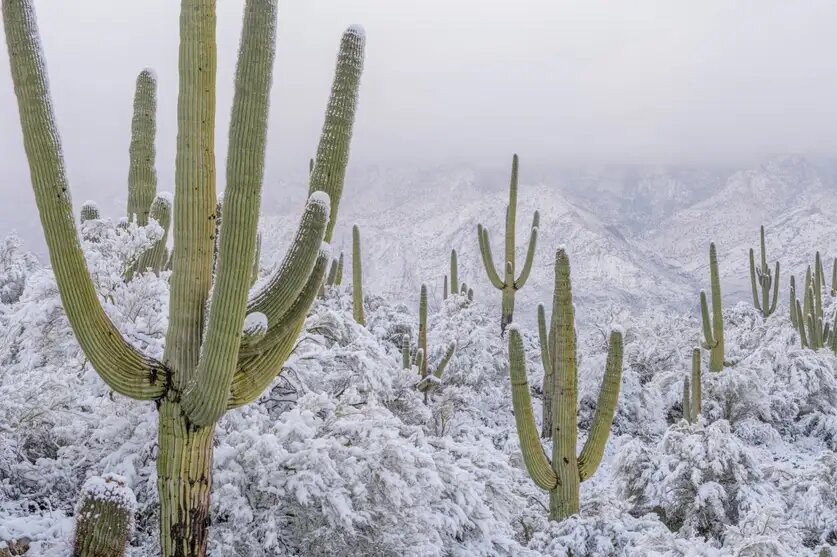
point(692, 391)
point(713, 329)
point(562, 475)
point(155, 257)
point(104, 517)
point(454, 272)
point(89, 211)
point(429, 377)
point(357, 278)
point(762, 280)
point(508, 285)
point(445, 288)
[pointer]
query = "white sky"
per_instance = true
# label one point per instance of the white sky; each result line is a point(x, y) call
point(457, 80)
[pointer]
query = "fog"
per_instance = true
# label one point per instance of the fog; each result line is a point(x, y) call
point(453, 81)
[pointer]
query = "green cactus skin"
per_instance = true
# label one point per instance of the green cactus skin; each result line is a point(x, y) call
point(405, 351)
point(211, 363)
point(834, 277)
point(154, 258)
point(454, 272)
point(713, 331)
point(142, 176)
point(89, 211)
point(445, 288)
point(562, 475)
point(104, 518)
point(357, 278)
point(508, 285)
point(257, 257)
point(793, 304)
point(763, 280)
point(338, 280)
point(687, 405)
point(470, 294)
point(332, 273)
point(426, 383)
point(329, 169)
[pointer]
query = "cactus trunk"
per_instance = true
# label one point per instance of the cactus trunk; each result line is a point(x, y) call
point(357, 278)
point(184, 481)
point(713, 329)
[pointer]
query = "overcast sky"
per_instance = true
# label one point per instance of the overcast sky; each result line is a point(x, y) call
point(456, 80)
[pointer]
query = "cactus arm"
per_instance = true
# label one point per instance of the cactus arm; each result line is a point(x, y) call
point(754, 282)
point(687, 407)
point(709, 341)
point(443, 363)
point(775, 302)
point(329, 170)
point(257, 259)
point(195, 199)
point(419, 359)
point(591, 453)
point(288, 279)
point(537, 463)
point(332, 273)
point(511, 218)
point(717, 359)
point(807, 303)
point(801, 325)
point(205, 399)
point(120, 365)
point(543, 339)
point(142, 176)
point(530, 255)
point(488, 259)
point(819, 281)
point(256, 372)
point(793, 302)
point(697, 389)
point(357, 277)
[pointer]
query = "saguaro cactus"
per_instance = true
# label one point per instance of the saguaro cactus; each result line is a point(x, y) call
point(142, 176)
point(210, 364)
point(154, 258)
point(808, 316)
point(335, 272)
point(792, 304)
point(546, 359)
point(762, 279)
point(508, 285)
point(713, 330)
point(561, 476)
point(429, 377)
point(104, 517)
point(454, 272)
point(357, 278)
point(693, 391)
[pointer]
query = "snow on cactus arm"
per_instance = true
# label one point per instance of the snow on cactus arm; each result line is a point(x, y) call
point(120, 365)
point(104, 517)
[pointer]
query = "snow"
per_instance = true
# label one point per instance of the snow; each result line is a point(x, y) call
point(320, 198)
point(255, 322)
point(343, 452)
point(357, 29)
point(166, 197)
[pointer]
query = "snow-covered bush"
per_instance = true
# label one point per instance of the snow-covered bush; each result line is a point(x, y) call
point(16, 265)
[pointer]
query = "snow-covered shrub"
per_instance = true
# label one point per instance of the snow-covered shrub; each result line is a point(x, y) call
point(16, 265)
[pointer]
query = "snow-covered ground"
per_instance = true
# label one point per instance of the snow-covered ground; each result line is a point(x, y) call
point(342, 456)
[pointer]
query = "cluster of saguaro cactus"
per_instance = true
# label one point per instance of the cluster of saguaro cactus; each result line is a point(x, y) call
point(508, 285)
point(104, 517)
point(762, 280)
point(210, 363)
point(419, 355)
point(335, 272)
point(713, 328)
point(693, 391)
point(561, 475)
point(357, 278)
point(807, 316)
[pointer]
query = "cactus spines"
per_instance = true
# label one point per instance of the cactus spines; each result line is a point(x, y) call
point(89, 211)
point(762, 279)
point(713, 329)
point(142, 176)
point(561, 475)
point(210, 363)
point(508, 285)
point(329, 169)
point(357, 278)
point(454, 272)
point(104, 517)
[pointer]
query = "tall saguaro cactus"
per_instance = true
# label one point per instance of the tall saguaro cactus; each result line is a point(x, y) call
point(212, 363)
point(508, 285)
point(142, 176)
point(422, 355)
point(762, 279)
point(808, 316)
point(104, 517)
point(357, 278)
point(713, 330)
point(561, 475)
